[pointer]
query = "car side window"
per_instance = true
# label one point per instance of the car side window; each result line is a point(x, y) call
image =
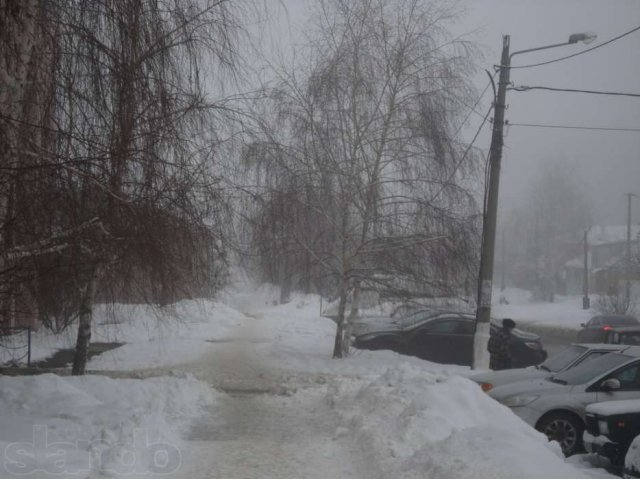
point(629, 377)
point(442, 326)
point(465, 328)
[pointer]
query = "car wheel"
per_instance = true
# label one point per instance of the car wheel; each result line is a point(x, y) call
point(566, 429)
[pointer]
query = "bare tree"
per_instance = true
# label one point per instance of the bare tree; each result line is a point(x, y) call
point(616, 302)
point(123, 196)
point(365, 183)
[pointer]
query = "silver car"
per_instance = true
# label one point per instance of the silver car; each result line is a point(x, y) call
point(555, 405)
point(564, 360)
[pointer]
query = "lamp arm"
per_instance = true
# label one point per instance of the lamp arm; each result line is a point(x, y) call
point(540, 48)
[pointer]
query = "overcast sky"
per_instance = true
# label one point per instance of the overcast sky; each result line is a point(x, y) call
point(605, 163)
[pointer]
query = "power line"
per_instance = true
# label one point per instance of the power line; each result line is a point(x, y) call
point(464, 155)
point(525, 88)
point(472, 110)
point(581, 52)
point(575, 127)
point(475, 137)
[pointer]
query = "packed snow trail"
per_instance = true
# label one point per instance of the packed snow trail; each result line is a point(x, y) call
point(272, 423)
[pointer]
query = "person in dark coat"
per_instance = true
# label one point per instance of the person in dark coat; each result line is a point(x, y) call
point(499, 346)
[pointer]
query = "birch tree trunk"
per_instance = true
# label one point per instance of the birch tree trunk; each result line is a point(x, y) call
point(338, 346)
point(84, 328)
point(353, 313)
point(17, 39)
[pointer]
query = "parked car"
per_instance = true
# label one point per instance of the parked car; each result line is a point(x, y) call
point(443, 337)
point(596, 330)
point(624, 335)
point(564, 360)
point(610, 429)
point(555, 405)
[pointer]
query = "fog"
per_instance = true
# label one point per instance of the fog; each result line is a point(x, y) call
point(606, 164)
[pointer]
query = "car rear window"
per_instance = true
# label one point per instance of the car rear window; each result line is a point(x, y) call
point(590, 369)
point(565, 358)
point(621, 320)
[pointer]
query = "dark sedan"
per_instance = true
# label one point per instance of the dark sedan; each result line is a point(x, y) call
point(597, 329)
point(443, 337)
point(610, 429)
point(624, 335)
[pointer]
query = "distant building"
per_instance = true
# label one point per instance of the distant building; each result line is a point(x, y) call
point(606, 260)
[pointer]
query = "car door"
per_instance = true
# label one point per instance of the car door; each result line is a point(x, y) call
point(444, 340)
point(629, 378)
point(592, 331)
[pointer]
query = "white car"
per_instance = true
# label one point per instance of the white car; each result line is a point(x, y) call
point(555, 405)
point(566, 359)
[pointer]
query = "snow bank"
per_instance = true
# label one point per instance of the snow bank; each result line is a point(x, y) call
point(615, 407)
point(632, 459)
point(93, 425)
point(437, 425)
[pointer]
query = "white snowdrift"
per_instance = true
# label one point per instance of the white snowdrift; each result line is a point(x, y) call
point(87, 426)
point(434, 425)
point(418, 418)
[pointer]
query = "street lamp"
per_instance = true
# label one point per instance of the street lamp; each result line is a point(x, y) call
point(586, 37)
point(485, 283)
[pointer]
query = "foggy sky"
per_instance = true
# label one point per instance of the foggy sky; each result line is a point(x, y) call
point(607, 164)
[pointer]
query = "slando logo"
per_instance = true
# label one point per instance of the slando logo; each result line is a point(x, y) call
point(136, 457)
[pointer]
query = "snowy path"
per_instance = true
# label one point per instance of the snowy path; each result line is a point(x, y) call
point(271, 423)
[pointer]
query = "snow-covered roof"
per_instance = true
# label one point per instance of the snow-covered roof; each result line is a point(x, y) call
point(601, 235)
point(578, 262)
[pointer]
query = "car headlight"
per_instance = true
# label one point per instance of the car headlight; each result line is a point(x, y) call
point(519, 401)
point(533, 345)
point(603, 427)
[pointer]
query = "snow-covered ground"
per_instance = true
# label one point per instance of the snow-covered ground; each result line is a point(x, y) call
point(565, 311)
point(246, 388)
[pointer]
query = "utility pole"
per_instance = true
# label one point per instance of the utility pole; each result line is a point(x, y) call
point(485, 285)
point(502, 258)
point(503, 285)
point(627, 290)
point(586, 304)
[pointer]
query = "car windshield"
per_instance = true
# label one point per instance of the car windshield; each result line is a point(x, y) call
point(590, 369)
point(563, 359)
